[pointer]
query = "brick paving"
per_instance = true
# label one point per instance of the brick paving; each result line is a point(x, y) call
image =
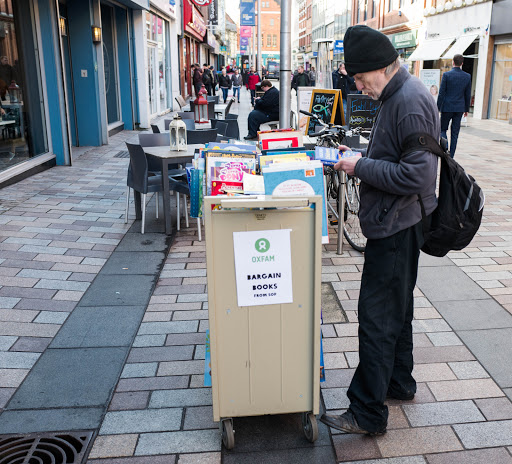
point(58, 229)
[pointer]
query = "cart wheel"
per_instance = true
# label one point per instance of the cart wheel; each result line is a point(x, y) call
point(228, 434)
point(310, 426)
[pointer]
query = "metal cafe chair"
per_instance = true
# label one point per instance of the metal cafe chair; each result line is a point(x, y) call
point(201, 136)
point(140, 180)
point(155, 129)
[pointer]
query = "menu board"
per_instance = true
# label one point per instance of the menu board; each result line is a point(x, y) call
point(303, 103)
point(362, 111)
point(327, 104)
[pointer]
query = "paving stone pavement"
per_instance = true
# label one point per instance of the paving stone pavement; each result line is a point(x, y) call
point(61, 229)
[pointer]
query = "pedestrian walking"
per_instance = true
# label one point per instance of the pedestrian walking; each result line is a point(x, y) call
point(346, 84)
point(312, 76)
point(224, 84)
point(335, 77)
point(207, 79)
point(197, 78)
point(301, 79)
point(390, 218)
point(454, 100)
point(237, 82)
point(215, 78)
point(252, 80)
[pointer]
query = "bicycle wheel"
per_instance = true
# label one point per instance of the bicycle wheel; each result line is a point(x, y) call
point(351, 227)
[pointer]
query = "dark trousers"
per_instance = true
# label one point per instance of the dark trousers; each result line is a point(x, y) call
point(253, 96)
point(455, 118)
point(385, 315)
point(225, 91)
point(209, 89)
point(256, 117)
point(197, 88)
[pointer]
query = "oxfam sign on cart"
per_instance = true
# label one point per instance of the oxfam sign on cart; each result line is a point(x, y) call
point(263, 267)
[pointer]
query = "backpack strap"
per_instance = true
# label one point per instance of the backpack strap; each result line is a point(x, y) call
point(422, 141)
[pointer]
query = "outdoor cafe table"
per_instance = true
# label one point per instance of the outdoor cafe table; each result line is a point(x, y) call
point(219, 108)
point(166, 158)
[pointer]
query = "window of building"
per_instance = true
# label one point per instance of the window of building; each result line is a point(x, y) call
point(269, 40)
point(274, 40)
point(24, 123)
point(501, 92)
point(271, 22)
point(374, 2)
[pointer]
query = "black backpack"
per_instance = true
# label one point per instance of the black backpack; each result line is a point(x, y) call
point(458, 215)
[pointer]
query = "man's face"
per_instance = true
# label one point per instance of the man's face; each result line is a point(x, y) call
point(264, 88)
point(223, 72)
point(301, 69)
point(252, 69)
point(4, 60)
point(371, 82)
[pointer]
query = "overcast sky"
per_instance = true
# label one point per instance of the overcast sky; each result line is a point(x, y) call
point(233, 10)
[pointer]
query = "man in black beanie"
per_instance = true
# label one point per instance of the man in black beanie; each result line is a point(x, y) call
point(391, 219)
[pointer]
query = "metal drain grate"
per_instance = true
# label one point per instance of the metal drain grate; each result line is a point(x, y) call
point(122, 154)
point(44, 448)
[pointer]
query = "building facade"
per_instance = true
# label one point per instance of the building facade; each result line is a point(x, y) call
point(67, 79)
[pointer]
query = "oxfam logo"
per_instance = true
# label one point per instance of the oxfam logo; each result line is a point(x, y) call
point(262, 245)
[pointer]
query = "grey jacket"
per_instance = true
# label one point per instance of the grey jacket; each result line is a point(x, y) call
point(390, 183)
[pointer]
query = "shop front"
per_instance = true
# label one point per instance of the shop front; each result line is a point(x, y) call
point(405, 44)
point(500, 95)
point(23, 124)
point(461, 31)
point(194, 29)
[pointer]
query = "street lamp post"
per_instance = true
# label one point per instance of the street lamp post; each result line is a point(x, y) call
point(259, 68)
point(286, 65)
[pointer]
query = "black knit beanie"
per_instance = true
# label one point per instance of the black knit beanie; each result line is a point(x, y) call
point(367, 50)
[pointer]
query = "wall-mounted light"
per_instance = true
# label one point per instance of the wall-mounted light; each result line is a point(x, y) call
point(63, 26)
point(448, 6)
point(96, 34)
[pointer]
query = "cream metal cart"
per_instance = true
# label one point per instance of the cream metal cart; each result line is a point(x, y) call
point(265, 359)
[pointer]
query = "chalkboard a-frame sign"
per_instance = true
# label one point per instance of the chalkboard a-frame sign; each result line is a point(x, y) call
point(361, 111)
point(328, 105)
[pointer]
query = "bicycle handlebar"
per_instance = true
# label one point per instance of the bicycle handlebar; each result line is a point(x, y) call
point(307, 113)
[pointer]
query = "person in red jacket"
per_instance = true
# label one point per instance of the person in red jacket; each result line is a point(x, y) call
point(252, 80)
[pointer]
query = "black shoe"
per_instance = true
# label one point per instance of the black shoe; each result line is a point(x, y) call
point(347, 423)
point(250, 137)
point(401, 396)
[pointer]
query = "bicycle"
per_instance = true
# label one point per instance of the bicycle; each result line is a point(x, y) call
point(332, 136)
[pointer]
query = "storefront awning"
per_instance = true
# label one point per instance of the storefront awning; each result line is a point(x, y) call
point(431, 49)
point(459, 47)
point(136, 4)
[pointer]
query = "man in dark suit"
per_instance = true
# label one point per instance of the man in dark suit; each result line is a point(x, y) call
point(454, 99)
point(266, 108)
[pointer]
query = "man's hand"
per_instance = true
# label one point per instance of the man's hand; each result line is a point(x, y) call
point(465, 114)
point(2, 111)
point(348, 164)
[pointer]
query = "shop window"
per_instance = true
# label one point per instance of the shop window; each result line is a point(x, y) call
point(501, 96)
point(23, 127)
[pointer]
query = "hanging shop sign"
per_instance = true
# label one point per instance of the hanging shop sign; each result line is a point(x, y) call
point(263, 267)
point(405, 39)
point(223, 48)
point(197, 23)
point(247, 13)
point(338, 46)
point(244, 42)
point(213, 13)
point(245, 31)
point(201, 2)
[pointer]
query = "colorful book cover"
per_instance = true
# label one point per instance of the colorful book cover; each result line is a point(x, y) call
point(284, 158)
point(230, 147)
point(330, 156)
point(298, 179)
point(228, 170)
point(221, 188)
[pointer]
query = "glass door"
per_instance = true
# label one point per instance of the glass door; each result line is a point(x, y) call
point(152, 78)
point(110, 63)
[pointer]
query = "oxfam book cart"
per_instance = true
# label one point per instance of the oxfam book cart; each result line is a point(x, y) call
point(263, 259)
